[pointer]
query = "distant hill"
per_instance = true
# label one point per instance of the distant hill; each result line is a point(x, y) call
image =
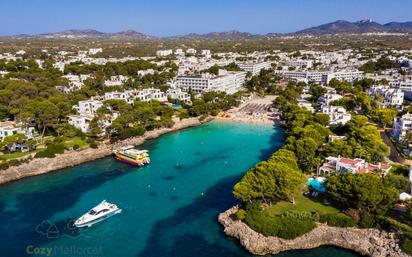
point(86, 33)
point(225, 35)
point(359, 27)
point(333, 28)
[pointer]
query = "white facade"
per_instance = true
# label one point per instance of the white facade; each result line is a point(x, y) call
point(321, 77)
point(393, 97)
point(337, 114)
point(179, 52)
point(401, 126)
point(145, 72)
point(144, 95)
point(191, 51)
point(178, 94)
point(253, 67)
point(229, 82)
point(93, 51)
point(306, 104)
point(329, 97)
point(118, 80)
point(300, 63)
point(89, 106)
point(81, 122)
point(162, 53)
point(8, 128)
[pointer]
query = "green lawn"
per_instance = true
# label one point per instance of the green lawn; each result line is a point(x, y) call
point(302, 203)
point(70, 142)
point(14, 155)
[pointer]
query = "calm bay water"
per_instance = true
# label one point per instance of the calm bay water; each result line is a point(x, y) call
point(170, 207)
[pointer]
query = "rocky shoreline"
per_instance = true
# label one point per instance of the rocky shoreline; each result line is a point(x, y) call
point(368, 242)
point(73, 158)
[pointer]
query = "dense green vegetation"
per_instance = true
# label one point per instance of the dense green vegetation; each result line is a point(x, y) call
point(270, 200)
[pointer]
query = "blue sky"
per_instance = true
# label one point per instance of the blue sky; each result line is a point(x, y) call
point(176, 17)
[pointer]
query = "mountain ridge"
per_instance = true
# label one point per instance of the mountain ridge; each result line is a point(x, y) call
point(335, 28)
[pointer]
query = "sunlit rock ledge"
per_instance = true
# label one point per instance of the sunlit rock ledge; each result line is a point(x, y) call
point(368, 242)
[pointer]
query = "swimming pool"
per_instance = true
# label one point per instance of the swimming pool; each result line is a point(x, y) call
point(317, 184)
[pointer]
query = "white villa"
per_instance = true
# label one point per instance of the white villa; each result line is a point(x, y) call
point(116, 81)
point(144, 95)
point(88, 106)
point(81, 121)
point(401, 126)
point(329, 97)
point(8, 128)
point(178, 94)
point(343, 165)
point(337, 114)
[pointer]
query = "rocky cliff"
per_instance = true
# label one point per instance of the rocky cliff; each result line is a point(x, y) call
point(368, 242)
point(73, 158)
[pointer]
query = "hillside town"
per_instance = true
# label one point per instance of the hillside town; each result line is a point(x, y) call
point(344, 112)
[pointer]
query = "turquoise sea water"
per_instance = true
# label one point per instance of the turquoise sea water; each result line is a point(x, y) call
point(170, 207)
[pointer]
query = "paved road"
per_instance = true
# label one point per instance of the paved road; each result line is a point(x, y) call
point(394, 156)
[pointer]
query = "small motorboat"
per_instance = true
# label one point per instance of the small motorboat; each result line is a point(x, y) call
point(99, 213)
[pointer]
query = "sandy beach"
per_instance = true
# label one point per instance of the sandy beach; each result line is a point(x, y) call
point(256, 110)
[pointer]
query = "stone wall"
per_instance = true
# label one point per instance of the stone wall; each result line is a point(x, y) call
point(369, 242)
point(73, 158)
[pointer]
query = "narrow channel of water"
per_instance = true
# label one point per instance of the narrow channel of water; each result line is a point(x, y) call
point(170, 207)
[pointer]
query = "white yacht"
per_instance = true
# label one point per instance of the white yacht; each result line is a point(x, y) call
point(101, 212)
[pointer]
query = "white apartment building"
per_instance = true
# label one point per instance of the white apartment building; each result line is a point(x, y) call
point(253, 67)
point(401, 126)
point(179, 52)
point(337, 114)
point(88, 106)
point(322, 77)
point(229, 82)
point(162, 53)
point(8, 128)
point(118, 80)
point(191, 51)
point(329, 97)
point(145, 72)
point(93, 51)
point(59, 65)
point(300, 63)
point(81, 121)
point(393, 97)
point(306, 104)
point(178, 94)
point(206, 53)
point(144, 95)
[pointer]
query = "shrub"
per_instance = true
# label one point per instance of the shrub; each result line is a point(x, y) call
point(51, 151)
point(337, 220)
point(391, 224)
point(353, 213)
point(90, 140)
point(183, 115)
point(94, 145)
point(283, 227)
point(241, 214)
point(367, 220)
point(76, 147)
point(4, 165)
point(313, 216)
point(406, 244)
